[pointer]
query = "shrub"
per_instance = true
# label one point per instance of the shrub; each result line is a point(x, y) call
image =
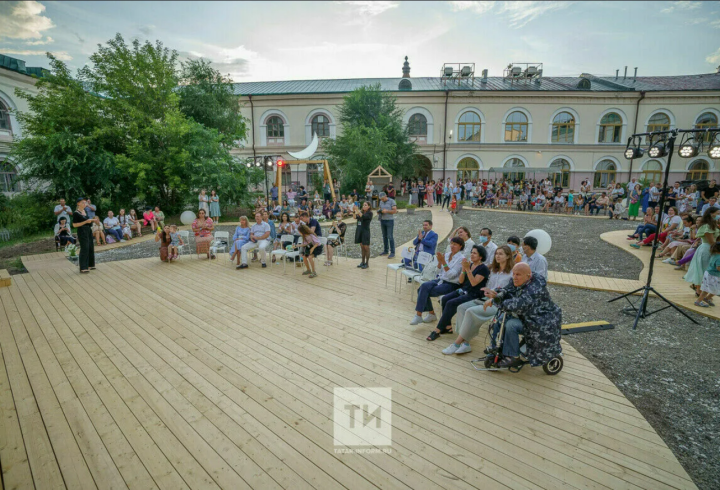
point(28, 212)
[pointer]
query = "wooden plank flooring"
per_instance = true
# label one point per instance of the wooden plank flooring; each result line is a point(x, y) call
point(196, 375)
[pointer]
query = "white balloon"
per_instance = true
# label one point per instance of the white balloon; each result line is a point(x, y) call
point(187, 217)
point(543, 238)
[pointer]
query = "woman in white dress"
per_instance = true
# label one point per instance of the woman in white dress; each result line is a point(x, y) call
point(204, 200)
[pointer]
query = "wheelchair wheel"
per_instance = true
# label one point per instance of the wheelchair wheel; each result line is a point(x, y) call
point(553, 366)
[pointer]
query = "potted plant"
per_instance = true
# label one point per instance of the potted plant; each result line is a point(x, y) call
point(411, 208)
point(71, 252)
point(460, 205)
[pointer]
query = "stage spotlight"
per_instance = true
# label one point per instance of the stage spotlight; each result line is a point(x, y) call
point(248, 164)
point(688, 149)
point(657, 150)
point(269, 161)
point(714, 151)
point(631, 153)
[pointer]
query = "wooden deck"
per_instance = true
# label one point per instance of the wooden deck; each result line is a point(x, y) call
point(196, 375)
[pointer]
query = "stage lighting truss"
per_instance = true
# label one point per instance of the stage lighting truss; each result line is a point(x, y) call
point(689, 146)
point(714, 150)
point(657, 150)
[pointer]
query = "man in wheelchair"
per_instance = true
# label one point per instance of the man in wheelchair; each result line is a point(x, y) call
point(529, 311)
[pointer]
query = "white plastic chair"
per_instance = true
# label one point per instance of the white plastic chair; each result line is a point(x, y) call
point(423, 259)
point(291, 255)
point(185, 235)
point(217, 245)
point(405, 253)
point(429, 272)
point(323, 242)
point(281, 252)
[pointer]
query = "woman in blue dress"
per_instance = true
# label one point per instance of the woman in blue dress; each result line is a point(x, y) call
point(645, 198)
point(240, 238)
point(214, 207)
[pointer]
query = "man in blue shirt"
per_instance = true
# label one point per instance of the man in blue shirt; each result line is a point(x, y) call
point(274, 193)
point(426, 241)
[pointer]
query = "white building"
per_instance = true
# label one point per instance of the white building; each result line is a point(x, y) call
point(465, 126)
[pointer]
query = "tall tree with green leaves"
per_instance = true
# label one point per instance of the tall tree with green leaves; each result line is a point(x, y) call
point(372, 134)
point(125, 129)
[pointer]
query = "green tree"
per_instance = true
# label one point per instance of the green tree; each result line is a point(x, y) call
point(119, 131)
point(372, 134)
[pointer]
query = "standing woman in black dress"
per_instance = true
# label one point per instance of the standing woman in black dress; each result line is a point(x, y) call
point(362, 233)
point(85, 236)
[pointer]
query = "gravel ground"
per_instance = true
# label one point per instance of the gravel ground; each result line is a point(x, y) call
point(582, 235)
point(668, 368)
point(406, 227)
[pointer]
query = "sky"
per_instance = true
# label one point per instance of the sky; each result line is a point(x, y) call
point(261, 41)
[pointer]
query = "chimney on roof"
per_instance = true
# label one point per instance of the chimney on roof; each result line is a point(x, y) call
point(635, 76)
point(617, 73)
point(625, 76)
point(485, 75)
point(406, 68)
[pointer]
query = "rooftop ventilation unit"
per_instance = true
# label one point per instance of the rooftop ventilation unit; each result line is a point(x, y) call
point(522, 72)
point(458, 72)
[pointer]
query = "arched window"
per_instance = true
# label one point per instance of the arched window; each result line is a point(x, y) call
point(320, 125)
point(516, 127)
point(604, 173)
point(469, 127)
point(275, 131)
point(417, 128)
point(8, 175)
point(563, 129)
point(514, 163)
point(610, 128)
point(468, 169)
point(658, 122)
point(4, 117)
point(706, 120)
point(698, 170)
point(561, 178)
point(652, 171)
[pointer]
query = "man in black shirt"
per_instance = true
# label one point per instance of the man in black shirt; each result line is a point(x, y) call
point(707, 193)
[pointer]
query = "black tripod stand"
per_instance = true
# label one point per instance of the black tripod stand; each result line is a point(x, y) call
point(641, 308)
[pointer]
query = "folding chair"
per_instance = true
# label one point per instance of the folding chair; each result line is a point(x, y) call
point(290, 255)
point(423, 259)
point(217, 245)
point(323, 242)
point(281, 252)
point(405, 253)
point(185, 235)
point(429, 273)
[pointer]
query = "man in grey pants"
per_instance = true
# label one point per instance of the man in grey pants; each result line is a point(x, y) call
point(387, 212)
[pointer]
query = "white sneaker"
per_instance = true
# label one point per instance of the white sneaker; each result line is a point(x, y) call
point(451, 349)
point(667, 261)
point(464, 348)
point(417, 320)
point(123, 240)
point(430, 319)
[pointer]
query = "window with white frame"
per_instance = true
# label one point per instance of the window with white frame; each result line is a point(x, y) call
point(4, 117)
point(561, 178)
point(320, 125)
point(610, 128)
point(698, 170)
point(8, 175)
point(604, 173)
point(417, 128)
point(652, 171)
point(275, 131)
point(563, 128)
point(514, 163)
point(469, 127)
point(516, 127)
point(706, 120)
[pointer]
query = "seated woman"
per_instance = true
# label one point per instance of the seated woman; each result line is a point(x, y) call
point(338, 228)
point(134, 223)
point(124, 221)
point(490, 198)
point(649, 225)
point(471, 315)
point(447, 281)
point(464, 233)
point(473, 278)
point(327, 210)
point(684, 235)
point(670, 222)
point(515, 245)
point(277, 209)
point(63, 234)
point(165, 241)
point(285, 227)
point(203, 227)
point(240, 238)
point(98, 233)
point(285, 208)
point(149, 219)
point(160, 217)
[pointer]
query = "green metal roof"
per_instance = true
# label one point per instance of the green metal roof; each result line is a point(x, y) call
point(702, 82)
point(18, 66)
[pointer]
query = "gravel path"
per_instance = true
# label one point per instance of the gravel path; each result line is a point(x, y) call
point(572, 239)
point(406, 227)
point(668, 368)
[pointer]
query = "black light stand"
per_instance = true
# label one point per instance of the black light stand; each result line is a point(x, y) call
point(641, 309)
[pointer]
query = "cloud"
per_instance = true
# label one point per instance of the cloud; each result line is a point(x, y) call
point(681, 6)
point(23, 20)
point(239, 62)
point(147, 29)
point(370, 9)
point(521, 13)
point(714, 57)
point(41, 42)
point(61, 55)
point(328, 47)
point(715, 24)
point(476, 7)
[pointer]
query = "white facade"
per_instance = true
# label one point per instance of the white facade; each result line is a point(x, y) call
point(583, 151)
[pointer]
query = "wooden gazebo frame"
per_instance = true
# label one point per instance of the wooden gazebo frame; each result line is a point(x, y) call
point(326, 172)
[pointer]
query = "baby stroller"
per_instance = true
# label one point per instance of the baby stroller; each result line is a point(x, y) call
point(494, 354)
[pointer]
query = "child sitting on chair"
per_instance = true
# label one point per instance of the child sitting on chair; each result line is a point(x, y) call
point(175, 242)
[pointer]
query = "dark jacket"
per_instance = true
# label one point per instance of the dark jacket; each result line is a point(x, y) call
point(541, 318)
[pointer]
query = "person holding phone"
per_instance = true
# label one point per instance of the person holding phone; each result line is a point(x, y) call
point(362, 233)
